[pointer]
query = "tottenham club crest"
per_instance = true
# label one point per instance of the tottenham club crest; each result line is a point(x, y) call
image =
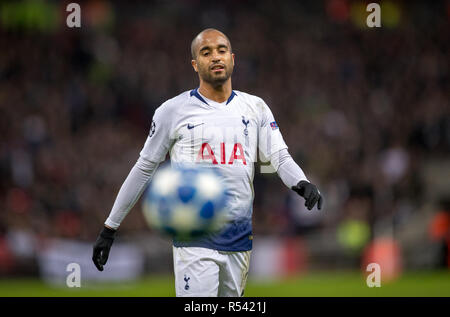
point(245, 122)
point(152, 129)
point(186, 279)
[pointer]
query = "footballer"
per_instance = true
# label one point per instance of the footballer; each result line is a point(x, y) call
point(220, 127)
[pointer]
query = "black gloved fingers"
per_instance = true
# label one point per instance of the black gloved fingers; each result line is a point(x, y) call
point(307, 192)
point(99, 266)
point(102, 247)
point(320, 202)
point(313, 201)
point(96, 258)
point(310, 193)
point(104, 256)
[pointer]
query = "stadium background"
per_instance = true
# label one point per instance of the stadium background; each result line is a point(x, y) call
point(365, 112)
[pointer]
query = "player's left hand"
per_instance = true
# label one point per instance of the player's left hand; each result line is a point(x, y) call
point(310, 193)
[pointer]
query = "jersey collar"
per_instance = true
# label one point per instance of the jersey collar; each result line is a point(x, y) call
point(194, 92)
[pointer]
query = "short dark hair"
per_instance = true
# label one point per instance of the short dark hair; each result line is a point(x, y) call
point(193, 52)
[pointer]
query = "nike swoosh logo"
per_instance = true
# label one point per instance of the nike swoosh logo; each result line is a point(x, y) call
point(191, 126)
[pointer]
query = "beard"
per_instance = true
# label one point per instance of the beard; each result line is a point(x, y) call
point(213, 78)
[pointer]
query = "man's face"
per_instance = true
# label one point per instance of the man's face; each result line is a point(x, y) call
point(214, 61)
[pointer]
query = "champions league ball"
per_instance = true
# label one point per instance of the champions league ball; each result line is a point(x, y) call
point(185, 203)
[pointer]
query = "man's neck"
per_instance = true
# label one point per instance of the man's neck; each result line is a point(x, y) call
point(219, 93)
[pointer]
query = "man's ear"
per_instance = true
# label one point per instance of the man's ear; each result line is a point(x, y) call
point(194, 65)
point(232, 55)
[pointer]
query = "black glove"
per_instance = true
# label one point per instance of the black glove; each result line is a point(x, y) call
point(310, 193)
point(102, 247)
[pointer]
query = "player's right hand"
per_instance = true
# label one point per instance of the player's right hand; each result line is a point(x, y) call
point(102, 246)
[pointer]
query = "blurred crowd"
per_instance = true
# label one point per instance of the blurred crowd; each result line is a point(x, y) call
point(362, 110)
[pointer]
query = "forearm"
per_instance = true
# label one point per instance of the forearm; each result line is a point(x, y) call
point(132, 188)
point(289, 171)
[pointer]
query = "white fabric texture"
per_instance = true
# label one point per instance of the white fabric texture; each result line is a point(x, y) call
point(132, 188)
point(226, 138)
point(202, 272)
point(289, 171)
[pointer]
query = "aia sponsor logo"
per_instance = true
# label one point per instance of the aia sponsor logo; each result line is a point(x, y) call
point(207, 154)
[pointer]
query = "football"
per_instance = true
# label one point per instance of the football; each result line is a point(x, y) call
point(185, 203)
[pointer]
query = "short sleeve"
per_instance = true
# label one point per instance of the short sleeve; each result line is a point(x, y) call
point(159, 139)
point(270, 140)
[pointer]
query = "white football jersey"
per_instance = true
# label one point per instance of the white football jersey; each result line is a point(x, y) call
point(227, 136)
